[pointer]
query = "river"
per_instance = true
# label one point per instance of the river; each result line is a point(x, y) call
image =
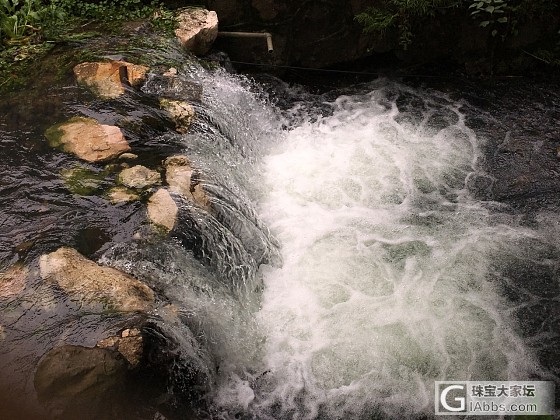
point(366, 241)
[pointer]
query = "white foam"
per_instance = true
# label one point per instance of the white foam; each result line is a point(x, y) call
point(384, 286)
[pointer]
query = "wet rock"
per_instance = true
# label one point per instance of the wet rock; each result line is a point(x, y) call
point(171, 86)
point(181, 112)
point(88, 139)
point(162, 210)
point(128, 156)
point(94, 285)
point(129, 344)
point(12, 281)
point(198, 29)
point(106, 79)
point(82, 181)
point(139, 177)
point(70, 377)
point(122, 195)
point(179, 177)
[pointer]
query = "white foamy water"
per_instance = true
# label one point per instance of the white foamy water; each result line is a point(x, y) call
point(384, 286)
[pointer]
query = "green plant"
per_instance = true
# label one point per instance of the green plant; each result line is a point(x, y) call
point(491, 13)
point(402, 15)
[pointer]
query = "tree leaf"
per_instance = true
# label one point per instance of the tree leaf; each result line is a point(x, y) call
point(484, 23)
point(503, 19)
point(494, 32)
point(489, 9)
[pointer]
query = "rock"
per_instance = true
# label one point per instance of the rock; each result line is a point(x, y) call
point(129, 156)
point(105, 79)
point(130, 345)
point(162, 210)
point(69, 377)
point(172, 71)
point(198, 29)
point(91, 284)
point(178, 174)
point(122, 195)
point(139, 177)
point(171, 86)
point(12, 281)
point(82, 181)
point(181, 112)
point(88, 139)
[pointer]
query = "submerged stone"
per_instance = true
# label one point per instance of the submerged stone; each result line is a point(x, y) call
point(198, 29)
point(82, 181)
point(122, 195)
point(12, 281)
point(162, 210)
point(91, 284)
point(179, 177)
point(88, 139)
point(181, 112)
point(71, 377)
point(106, 79)
point(139, 177)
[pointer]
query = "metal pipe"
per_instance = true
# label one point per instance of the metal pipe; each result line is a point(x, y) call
point(266, 35)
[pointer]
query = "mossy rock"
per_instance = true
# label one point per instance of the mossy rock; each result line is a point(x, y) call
point(83, 181)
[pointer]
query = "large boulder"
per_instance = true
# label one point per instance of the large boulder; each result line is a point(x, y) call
point(162, 210)
point(106, 79)
point(88, 139)
point(139, 177)
point(93, 285)
point(179, 177)
point(198, 29)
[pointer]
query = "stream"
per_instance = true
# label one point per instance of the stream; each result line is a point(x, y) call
point(364, 242)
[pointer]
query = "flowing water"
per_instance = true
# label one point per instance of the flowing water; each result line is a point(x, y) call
point(354, 254)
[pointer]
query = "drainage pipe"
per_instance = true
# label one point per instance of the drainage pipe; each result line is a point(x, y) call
point(266, 35)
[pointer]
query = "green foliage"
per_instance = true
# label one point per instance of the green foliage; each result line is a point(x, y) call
point(402, 15)
point(491, 13)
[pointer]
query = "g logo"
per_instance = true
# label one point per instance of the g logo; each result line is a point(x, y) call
point(451, 398)
point(443, 398)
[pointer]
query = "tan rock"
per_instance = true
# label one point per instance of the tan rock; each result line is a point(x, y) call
point(128, 156)
point(130, 344)
point(88, 139)
point(122, 195)
point(92, 284)
point(106, 78)
point(162, 210)
point(139, 177)
point(198, 29)
point(181, 112)
point(12, 281)
point(178, 174)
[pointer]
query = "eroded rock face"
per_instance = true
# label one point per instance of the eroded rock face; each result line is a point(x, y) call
point(181, 112)
point(198, 29)
point(162, 210)
point(139, 177)
point(88, 139)
point(106, 79)
point(12, 281)
point(179, 177)
point(94, 285)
